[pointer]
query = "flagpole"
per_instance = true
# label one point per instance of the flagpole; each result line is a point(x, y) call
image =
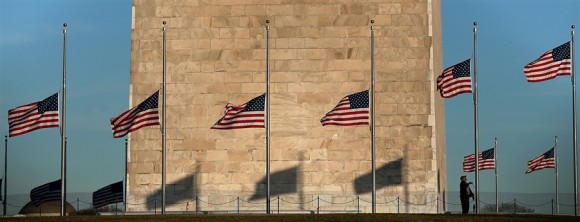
point(496, 178)
point(374, 194)
point(267, 116)
point(574, 124)
point(5, 174)
point(556, 171)
point(476, 117)
point(126, 160)
point(164, 125)
point(63, 132)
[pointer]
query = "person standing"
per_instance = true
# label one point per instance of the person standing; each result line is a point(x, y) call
point(464, 194)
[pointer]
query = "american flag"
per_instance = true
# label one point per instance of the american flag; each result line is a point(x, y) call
point(45, 193)
point(113, 193)
point(546, 160)
point(33, 116)
point(142, 115)
point(248, 115)
point(455, 80)
point(486, 161)
point(350, 111)
point(551, 64)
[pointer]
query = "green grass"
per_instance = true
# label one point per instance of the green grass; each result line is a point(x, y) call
point(301, 218)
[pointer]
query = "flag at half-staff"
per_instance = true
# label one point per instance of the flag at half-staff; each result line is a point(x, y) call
point(142, 115)
point(247, 115)
point(486, 161)
point(350, 111)
point(110, 194)
point(46, 192)
point(553, 63)
point(455, 80)
point(546, 160)
point(33, 116)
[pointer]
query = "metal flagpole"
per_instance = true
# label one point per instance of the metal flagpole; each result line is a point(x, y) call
point(574, 124)
point(496, 178)
point(476, 117)
point(4, 202)
point(374, 198)
point(267, 116)
point(556, 171)
point(164, 125)
point(63, 130)
point(126, 160)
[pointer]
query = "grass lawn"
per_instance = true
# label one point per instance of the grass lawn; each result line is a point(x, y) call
point(301, 218)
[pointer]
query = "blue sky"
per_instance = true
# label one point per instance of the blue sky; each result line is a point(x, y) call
point(524, 116)
point(98, 57)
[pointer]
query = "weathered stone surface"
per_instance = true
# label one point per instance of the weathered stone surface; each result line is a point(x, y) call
point(319, 53)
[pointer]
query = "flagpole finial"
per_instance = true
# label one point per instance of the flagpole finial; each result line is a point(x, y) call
point(573, 26)
point(64, 25)
point(474, 23)
point(267, 21)
point(164, 22)
point(372, 21)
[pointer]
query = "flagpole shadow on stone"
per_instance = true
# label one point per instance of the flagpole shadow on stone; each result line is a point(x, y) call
point(179, 191)
point(390, 174)
point(282, 182)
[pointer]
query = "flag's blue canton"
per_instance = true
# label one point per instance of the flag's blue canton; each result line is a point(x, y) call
point(359, 100)
point(117, 187)
point(55, 185)
point(461, 69)
point(488, 154)
point(150, 103)
point(256, 104)
point(549, 154)
point(48, 104)
point(561, 52)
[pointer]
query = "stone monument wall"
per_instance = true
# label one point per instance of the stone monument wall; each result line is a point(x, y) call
point(320, 52)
